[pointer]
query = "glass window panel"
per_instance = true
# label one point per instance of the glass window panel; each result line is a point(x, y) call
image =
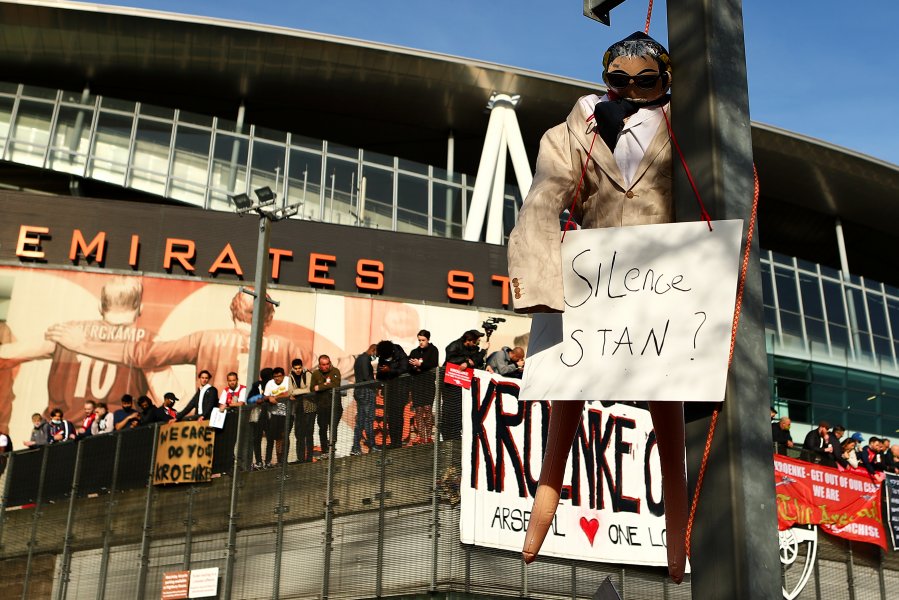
point(800, 412)
point(767, 290)
point(833, 302)
point(882, 350)
point(340, 190)
point(791, 323)
point(304, 182)
point(831, 272)
point(412, 204)
point(816, 330)
point(861, 380)
point(270, 134)
point(190, 164)
point(6, 105)
point(31, 133)
point(889, 425)
point(827, 395)
point(268, 166)
point(110, 152)
point(877, 314)
point(412, 166)
point(8, 88)
point(71, 139)
point(782, 259)
point(151, 156)
point(893, 311)
point(770, 313)
point(119, 105)
point(839, 336)
point(229, 168)
point(194, 119)
point(33, 91)
point(863, 421)
point(806, 265)
point(303, 141)
point(160, 112)
point(829, 375)
point(890, 290)
point(890, 385)
point(794, 369)
point(231, 126)
point(72, 97)
point(834, 416)
point(447, 206)
point(811, 296)
point(343, 151)
point(786, 289)
point(378, 197)
point(377, 158)
point(510, 211)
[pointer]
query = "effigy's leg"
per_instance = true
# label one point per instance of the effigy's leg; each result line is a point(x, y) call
point(668, 423)
point(563, 421)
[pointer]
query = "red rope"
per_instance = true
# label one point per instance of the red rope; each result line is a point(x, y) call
point(730, 359)
point(579, 184)
point(703, 212)
point(648, 18)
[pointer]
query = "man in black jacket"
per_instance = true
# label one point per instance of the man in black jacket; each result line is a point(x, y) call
point(466, 353)
point(393, 362)
point(819, 446)
point(205, 399)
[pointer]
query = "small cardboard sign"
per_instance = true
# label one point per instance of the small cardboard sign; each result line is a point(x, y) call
point(456, 375)
point(184, 453)
point(175, 585)
point(648, 315)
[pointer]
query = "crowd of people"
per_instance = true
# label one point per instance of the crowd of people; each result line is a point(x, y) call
point(831, 447)
point(284, 403)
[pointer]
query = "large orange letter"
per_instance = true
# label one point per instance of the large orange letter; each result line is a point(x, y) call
point(97, 246)
point(135, 247)
point(226, 260)
point(370, 275)
point(461, 285)
point(26, 239)
point(276, 254)
point(503, 281)
point(318, 268)
point(182, 256)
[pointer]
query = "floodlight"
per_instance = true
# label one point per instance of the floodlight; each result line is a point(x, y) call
point(598, 10)
point(265, 195)
point(242, 202)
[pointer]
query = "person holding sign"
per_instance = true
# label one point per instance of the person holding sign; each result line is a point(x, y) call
point(612, 156)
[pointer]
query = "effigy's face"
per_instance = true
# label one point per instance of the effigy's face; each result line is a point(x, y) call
point(636, 78)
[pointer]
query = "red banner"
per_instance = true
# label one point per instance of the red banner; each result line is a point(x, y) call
point(842, 504)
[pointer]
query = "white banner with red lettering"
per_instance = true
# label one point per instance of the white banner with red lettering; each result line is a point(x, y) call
point(611, 509)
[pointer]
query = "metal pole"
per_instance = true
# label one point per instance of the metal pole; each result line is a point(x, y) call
point(4, 493)
point(147, 526)
point(34, 520)
point(260, 285)
point(329, 498)
point(233, 515)
point(107, 525)
point(280, 509)
point(382, 492)
point(435, 508)
point(65, 568)
point(734, 544)
point(189, 532)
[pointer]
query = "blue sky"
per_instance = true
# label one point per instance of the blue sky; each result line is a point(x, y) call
point(825, 69)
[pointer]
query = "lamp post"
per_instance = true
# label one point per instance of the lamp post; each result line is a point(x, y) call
point(265, 199)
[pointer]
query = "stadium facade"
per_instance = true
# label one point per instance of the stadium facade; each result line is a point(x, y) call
point(124, 133)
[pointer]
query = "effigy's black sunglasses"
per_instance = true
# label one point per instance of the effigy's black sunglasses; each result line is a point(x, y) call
point(621, 80)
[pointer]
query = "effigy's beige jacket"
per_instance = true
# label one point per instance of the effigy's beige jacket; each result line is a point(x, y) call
point(535, 262)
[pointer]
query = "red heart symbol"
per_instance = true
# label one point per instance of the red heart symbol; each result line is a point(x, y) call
point(590, 527)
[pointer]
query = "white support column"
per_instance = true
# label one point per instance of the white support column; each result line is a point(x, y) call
point(503, 135)
point(494, 234)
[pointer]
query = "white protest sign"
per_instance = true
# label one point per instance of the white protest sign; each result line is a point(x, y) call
point(611, 508)
point(648, 315)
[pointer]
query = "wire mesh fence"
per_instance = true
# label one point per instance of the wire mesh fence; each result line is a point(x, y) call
point(360, 499)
